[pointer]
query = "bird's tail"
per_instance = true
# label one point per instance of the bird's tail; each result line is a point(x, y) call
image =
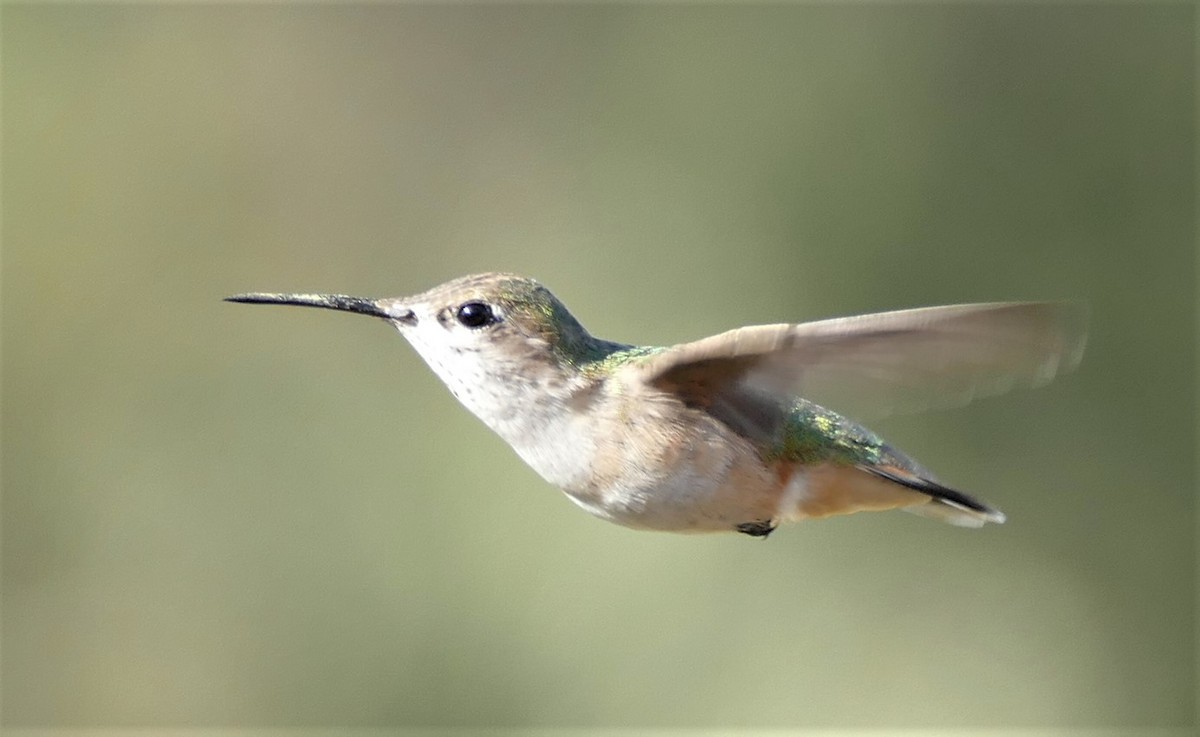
point(942, 503)
point(833, 489)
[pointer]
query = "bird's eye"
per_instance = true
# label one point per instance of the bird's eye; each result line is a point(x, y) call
point(476, 315)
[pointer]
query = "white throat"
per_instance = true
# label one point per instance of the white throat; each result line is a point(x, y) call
point(527, 406)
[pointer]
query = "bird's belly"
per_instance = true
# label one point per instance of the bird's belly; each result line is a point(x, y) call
point(715, 493)
point(659, 465)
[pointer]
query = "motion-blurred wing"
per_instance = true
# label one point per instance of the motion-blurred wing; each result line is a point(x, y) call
point(871, 365)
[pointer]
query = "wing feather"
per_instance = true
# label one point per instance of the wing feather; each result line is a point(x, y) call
point(870, 365)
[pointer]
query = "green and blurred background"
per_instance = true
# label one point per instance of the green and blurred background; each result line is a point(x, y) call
point(217, 515)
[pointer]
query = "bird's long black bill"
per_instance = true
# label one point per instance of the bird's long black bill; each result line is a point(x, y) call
point(341, 302)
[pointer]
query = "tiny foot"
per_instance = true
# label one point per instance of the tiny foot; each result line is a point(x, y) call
point(756, 529)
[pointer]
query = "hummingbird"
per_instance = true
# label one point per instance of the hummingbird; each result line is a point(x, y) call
point(724, 433)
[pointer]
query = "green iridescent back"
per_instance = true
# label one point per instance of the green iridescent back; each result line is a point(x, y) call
point(813, 434)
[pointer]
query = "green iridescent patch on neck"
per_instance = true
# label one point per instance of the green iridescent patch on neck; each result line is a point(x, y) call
point(609, 357)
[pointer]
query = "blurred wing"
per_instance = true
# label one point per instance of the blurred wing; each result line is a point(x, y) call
point(871, 365)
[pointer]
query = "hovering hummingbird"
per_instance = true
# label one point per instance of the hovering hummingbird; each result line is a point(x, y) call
point(714, 435)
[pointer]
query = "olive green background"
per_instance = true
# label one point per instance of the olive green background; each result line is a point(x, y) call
point(229, 516)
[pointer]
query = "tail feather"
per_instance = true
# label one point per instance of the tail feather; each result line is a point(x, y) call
point(831, 489)
point(945, 504)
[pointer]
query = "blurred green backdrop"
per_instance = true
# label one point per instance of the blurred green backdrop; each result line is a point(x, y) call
point(216, 515)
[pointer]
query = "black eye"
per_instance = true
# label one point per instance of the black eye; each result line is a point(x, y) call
point(476, 315)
